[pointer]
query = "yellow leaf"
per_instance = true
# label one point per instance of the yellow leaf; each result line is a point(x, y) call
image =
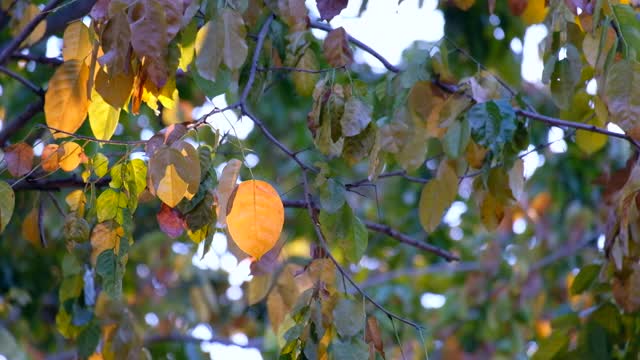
point(172, 188)
point(225, 187)
point(535, 12)
point(590, 142)
point(103, 117)
point(437, 195)
point(77, 43)
point(66, 102)
point(464, 4)
point(105, 236)
point(28, 14)
point(76, 201)
point(30, 228)
point(191, 177)
point(305, 82)
point(256, 217)
point(166, 168)
point(72, 156)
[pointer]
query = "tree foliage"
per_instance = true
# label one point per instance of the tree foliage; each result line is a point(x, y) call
point(337, 196)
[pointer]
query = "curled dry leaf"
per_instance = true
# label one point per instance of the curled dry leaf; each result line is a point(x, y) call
point(256, 217)
point(336, 48)
point(226, 185)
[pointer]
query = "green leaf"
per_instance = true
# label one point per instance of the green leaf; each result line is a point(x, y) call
point(7, 203)
point(332, 196)
point(550, 346)
point(436, 197)
point(100, 164)
point(357, 148)
point(107, 205)
point(565, 77)
point(209, 41)
point(492, 123)
point(356, 349)
point(346, 231)
point(456, 139)
point(235, 49)
point(88, 340)
point(621, 90)
point(627, 19)
point(348, 317)
point(355, 118)
point(9, 346)
point(136, 177)
point(585, 278)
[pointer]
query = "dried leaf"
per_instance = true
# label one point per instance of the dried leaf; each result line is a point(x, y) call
point(226, 185)
point(336, 48)
point(19, 159)
point(330, 8)
point(148, 26)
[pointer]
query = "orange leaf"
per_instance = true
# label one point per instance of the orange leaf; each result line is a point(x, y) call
point(256, 217)
point(72, 157)
point(66, 102)
point(50, 158)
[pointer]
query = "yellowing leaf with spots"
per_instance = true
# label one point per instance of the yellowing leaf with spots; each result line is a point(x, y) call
point(72, 156)
point(66, 102)
point(256, 217)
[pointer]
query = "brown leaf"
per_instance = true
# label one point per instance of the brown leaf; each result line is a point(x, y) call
point(115, 42)
point(100, 10)
point(517, 7)
point(330, 8)
point(115, 88)
point(626, 290)
point(372, 335)
point(173, 10)
point(51, 157)
point(19, 159)
point(294, 13)
point(170, 221)
point(336, 48)
point(283, 297)
point(148, 26)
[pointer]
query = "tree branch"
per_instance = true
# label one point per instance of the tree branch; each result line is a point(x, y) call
point(18, 123)
point(345, 275)
point(15, 43)
point(325, 27)
point(39, 59)
point(33, 87)
point(389, 231)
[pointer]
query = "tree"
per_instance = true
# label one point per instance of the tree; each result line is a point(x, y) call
point(336, 198)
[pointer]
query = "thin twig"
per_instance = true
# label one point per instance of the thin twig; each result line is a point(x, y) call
point(33, 87)
point(345, 275)
point(91, 138)
point(325, 27)
point(38, 59)
point(15, 43)
point(295, 69)
point(256, 57)
point(389, 231)
point(18, 123)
